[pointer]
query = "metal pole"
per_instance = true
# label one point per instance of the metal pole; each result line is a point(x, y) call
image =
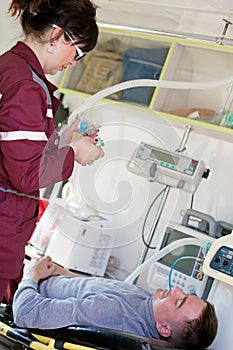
point(160, 209)
point(182, 146)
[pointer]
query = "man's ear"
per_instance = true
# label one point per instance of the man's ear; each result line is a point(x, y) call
point(164, 328)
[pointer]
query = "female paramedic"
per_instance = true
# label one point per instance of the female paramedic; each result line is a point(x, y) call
point(32, 154)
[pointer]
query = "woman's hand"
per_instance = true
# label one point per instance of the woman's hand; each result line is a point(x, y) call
point(86, 151)
point(84, 146)
point(67, 134)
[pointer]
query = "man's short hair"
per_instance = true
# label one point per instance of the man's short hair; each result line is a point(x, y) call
point(196, 334)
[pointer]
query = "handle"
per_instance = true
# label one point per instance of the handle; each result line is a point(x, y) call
point(205, 219)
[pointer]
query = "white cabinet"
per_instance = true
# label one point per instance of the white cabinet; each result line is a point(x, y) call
point(186, 60)
point(104, 66)
point(196, 63)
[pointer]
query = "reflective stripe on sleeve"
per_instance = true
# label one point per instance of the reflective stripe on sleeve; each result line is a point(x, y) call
point(23, 135)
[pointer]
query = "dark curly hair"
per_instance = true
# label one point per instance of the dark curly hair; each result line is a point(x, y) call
point(77, 17)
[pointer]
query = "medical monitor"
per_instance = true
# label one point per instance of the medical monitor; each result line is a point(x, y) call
point(186, 273)
point(184, 266)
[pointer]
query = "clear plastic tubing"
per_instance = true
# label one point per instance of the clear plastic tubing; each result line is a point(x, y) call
point(160, 254)
point(181, 85)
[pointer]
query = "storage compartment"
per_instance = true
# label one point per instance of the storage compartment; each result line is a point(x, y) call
point(142, 64)
point(192, 63)
point(124, 53)
point(103, 67)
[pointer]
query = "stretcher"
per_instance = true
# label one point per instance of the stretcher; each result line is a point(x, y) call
point(70, 338)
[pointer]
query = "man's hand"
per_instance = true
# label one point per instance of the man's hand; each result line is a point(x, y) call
point(38, 269)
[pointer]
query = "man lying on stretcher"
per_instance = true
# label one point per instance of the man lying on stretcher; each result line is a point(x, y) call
point(50, 297)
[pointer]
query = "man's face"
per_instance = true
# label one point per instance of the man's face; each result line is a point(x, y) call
point(175, 305)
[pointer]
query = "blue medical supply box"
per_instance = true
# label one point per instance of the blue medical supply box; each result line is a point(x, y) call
point(140, 63)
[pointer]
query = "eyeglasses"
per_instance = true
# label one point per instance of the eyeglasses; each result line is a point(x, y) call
point(79, 53)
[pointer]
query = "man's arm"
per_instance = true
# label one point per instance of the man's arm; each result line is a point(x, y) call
point(31, 309)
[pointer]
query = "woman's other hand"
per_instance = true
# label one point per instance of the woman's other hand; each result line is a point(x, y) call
point(86, 151)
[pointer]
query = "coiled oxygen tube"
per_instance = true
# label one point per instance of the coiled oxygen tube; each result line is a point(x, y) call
point(182, 85)
point(160, 254)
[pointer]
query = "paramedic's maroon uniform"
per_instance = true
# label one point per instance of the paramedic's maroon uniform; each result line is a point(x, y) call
point(28, 161)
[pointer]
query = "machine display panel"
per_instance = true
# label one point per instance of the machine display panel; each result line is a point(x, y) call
point(164, 157)
point(185, 266)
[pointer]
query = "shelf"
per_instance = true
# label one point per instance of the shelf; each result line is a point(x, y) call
point(185, 60)
point(196, 63)
point(200, 127)
point(107, 65)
